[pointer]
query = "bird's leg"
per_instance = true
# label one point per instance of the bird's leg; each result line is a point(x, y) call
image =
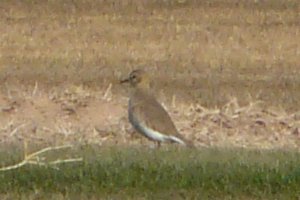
point(158, 144)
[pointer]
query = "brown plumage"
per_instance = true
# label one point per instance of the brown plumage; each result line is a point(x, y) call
point(147, 115)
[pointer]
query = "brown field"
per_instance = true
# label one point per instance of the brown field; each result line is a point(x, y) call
point(228, 71)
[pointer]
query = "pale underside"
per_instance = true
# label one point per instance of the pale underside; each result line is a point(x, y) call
point(154, 135)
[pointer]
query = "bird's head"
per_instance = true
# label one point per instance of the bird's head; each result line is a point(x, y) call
point(138, 78)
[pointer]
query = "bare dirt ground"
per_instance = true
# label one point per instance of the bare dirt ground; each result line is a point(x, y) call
point(227, 71)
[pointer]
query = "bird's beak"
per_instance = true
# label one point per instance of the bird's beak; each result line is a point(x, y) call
point(124, 81)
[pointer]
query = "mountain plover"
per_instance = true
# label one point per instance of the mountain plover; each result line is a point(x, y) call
point(148, 116)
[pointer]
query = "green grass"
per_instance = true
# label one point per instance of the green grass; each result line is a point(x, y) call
point(165, 173)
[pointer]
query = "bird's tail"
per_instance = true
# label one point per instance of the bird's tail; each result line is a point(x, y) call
point(182, 141)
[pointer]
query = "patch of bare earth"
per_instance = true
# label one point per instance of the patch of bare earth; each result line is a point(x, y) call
point(78, 115)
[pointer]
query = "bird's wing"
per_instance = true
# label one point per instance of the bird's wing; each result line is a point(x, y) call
point(153, 115)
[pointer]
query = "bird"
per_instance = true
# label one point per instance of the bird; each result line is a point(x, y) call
point(147, 115)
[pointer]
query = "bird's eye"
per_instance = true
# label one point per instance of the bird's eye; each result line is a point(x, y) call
point(133, 77)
